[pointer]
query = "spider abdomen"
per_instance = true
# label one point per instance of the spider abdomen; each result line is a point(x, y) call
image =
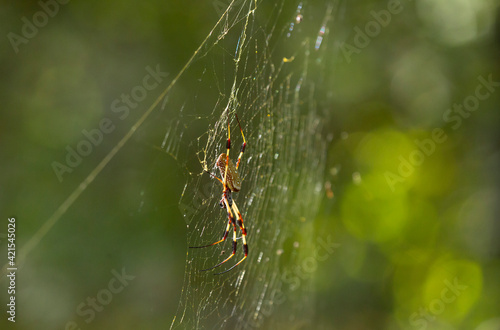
point(233, 180)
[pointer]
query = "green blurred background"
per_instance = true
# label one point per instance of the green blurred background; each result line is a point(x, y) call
point(410, 191)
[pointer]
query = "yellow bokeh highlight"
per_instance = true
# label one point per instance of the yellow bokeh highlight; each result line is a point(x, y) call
point(370, 211)
point(380, 150)
point(430, 294)
point(452, 288)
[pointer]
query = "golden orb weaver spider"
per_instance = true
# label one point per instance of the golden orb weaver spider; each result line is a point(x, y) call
point(231, 182)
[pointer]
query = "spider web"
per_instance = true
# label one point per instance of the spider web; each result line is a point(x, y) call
point(265, 63)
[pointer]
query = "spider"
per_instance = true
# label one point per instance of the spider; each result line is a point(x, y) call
point(231, 182)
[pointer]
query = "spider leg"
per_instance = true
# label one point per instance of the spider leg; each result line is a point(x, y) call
point(243, 145)
point(226, 232)
point(222, 240)
point(234, 240)
point(239, 221)
point(244, 232)
point(222, 182)
point(214, 177)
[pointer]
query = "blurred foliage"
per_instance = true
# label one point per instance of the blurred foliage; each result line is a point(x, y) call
point(415, 212)
point(414, 172)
